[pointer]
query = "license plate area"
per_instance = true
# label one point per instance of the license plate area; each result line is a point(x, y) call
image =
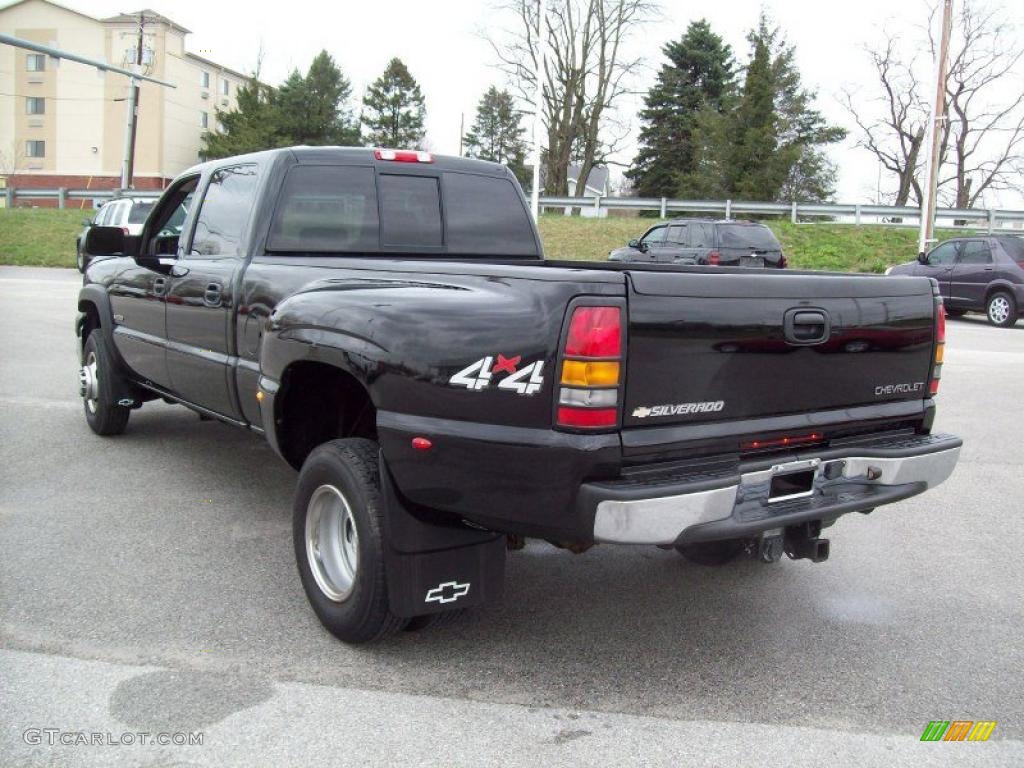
point(792, 481)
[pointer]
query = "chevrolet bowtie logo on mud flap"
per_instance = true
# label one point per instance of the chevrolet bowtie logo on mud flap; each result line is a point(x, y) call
point(447, 592)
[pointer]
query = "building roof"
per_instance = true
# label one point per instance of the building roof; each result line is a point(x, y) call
point(55, 5)
point(151, 15)
point(215, 65)
point(596, 180)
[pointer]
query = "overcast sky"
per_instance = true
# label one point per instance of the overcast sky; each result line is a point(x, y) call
point(442, 42)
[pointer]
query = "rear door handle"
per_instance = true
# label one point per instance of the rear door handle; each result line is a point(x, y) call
point(212, 296)
point(804, 326)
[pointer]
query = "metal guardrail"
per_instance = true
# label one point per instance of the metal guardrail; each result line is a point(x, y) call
point(973, 218)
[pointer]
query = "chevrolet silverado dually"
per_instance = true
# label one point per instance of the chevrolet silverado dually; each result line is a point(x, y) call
point(386, 320)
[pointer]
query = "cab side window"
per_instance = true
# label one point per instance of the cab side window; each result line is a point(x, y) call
point(702, 236)
point(975, 252)
point(224, 212)
point(942, 255)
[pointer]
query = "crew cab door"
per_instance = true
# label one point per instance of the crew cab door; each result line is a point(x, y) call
point(941, 260)
point(201, 296)
point(973, 272)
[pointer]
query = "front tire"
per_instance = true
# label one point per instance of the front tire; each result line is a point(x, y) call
point(337, 528)
point(97, 379)
point(1001, 309)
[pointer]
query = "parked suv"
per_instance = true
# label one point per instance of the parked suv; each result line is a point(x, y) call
point(976, 274)
point(725, 242)
point(127, 213)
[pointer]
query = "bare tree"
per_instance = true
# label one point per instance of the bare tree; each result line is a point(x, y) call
point(982, 141)
point(585, 73)
point(892, 123)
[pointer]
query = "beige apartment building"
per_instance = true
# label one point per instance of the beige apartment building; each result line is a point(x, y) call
point(62, 124)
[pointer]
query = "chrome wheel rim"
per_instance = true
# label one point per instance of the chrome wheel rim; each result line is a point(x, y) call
point(999, 309)
point(332, 543)
point(89, 383)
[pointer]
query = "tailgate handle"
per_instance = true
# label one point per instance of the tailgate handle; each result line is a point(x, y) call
point(806, 326)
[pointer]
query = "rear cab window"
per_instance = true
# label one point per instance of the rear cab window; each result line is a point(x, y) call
point(368, 210)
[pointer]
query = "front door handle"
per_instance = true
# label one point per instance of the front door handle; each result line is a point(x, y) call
point(212, 295)
point(159, 286)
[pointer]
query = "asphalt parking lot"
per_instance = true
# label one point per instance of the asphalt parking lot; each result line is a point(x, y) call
point(147, 584)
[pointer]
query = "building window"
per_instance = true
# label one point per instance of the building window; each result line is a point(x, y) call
point(225, 87)
point(35, 149)
point(204, 119)
point(35, 62)
point(204, 79)
point(35, 105)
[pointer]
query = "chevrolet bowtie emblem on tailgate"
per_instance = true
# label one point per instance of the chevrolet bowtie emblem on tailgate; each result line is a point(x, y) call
point(447, 592)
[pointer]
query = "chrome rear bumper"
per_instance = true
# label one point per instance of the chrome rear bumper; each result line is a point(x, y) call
point(857, 480)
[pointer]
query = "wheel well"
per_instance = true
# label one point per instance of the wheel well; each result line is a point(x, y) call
point(316, 403)
point(91, 320)
point(997, 289)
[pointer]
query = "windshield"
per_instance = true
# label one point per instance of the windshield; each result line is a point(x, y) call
point(139, 212)
point(757, 237)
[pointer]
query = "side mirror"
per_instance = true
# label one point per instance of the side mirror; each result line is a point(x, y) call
point(922, 258)
point(634, 243)
point(86, 222)
point(104, 241)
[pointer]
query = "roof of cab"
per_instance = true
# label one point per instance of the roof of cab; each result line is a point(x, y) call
point(317, 155)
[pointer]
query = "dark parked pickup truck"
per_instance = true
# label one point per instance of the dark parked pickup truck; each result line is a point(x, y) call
point(387, 321)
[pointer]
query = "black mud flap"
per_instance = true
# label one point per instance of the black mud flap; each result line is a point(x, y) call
point(435, 566)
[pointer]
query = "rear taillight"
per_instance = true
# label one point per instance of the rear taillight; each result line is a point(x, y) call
point(713, 258)
point(403, 155)
point(591, 369)
point(940, 347)
point(783, 261)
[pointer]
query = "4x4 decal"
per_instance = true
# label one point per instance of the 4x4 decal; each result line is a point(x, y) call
point(479, 375)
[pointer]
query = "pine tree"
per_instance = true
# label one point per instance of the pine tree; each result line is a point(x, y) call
point(776, 134)
point(394, 110)
point(315, 109)
point(699, 75)
point(496, 134)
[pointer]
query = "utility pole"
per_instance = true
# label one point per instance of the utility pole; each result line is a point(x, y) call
point(927, 232)
point(128, 168)
point(537, 108)
point(462, 127)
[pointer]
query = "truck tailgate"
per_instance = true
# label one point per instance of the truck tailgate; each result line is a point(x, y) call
point(739, 344)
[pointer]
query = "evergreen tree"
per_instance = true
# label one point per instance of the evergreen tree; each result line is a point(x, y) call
point(314, 109)
point(394, 109)
point(776, 134)
point(248, 128)
point(699, 75)
point(496, 134)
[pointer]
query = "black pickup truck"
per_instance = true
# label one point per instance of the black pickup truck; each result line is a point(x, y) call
point(387, 321)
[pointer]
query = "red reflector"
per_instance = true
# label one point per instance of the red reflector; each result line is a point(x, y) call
point(713, 258)
point(422, 444)
point(781, 442)
point(403, 155)
point(933, 387)
point(595, 332)
point(587, 417)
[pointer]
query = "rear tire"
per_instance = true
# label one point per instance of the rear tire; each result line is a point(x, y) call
point(337, 528)
point(1001, 309)
point(712, 553)
point(98, 380)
